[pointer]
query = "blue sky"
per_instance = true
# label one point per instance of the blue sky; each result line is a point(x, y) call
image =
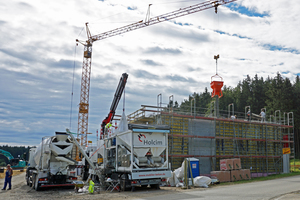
point(38, 54)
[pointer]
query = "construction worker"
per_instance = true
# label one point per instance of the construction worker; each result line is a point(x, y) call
point(8, 175)
point(263, 115)
point(91, 186)
point(108, 126)
point(249, 114)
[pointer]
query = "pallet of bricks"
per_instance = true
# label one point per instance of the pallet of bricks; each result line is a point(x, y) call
point(231, 170)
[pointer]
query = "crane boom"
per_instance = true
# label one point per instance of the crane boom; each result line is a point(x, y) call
point(86, 66)
point(115, 102)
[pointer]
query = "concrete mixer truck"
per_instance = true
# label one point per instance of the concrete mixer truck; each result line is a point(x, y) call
point(50, 164)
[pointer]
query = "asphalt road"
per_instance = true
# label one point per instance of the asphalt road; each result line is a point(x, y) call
point(283, 189)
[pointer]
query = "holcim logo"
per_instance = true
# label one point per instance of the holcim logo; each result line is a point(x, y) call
point(152, 142)
point(141, 135)
point(149, 142)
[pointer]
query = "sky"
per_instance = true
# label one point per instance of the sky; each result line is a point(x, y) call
point(41, 65)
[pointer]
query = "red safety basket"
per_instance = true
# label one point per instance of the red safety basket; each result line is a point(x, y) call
point(216, 86)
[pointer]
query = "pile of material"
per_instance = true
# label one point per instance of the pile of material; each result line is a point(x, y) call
point(231, 170)
point(185, 172)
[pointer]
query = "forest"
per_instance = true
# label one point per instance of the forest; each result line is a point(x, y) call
point(273, 94)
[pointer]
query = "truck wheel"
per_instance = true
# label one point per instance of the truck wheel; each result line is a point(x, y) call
point(125, 184)
point(27, 177)
point(132, 189)
point(122, 185)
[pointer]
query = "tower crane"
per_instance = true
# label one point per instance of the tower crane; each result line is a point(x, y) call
point(87, 56)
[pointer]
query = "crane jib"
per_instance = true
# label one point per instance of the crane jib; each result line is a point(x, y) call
point(161, 18)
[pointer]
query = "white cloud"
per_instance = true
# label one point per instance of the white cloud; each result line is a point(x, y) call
point(37, 56)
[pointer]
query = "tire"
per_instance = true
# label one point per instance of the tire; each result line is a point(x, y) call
point(124, 183)
point(132, 189)
point(27, 177)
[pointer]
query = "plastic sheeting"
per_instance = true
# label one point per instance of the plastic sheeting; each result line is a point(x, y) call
point(180, 171)
point(173, 180)
point(178, 177)
point(123, 125)
point(202, 181)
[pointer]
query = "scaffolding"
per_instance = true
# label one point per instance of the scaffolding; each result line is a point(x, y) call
point(210, 138)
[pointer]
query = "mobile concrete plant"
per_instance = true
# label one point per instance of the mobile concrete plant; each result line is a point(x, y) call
point(135, 155)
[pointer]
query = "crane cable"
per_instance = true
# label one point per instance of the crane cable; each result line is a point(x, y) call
point(216, 41)
point(124, 101)
point(72, 94)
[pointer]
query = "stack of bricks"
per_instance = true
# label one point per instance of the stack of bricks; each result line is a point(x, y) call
point(231, 170)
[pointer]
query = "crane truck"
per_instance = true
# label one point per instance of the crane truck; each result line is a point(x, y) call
point(50, 164)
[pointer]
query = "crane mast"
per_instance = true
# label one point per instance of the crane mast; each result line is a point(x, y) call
point(87, 57)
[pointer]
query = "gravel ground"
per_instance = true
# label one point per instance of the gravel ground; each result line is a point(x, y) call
point(20, 191)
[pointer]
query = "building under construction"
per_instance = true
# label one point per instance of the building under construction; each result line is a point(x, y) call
point(211, 137)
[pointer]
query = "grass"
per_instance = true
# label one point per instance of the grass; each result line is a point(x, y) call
point(16, 172)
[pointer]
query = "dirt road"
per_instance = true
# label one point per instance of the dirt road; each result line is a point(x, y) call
point(20, 191)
